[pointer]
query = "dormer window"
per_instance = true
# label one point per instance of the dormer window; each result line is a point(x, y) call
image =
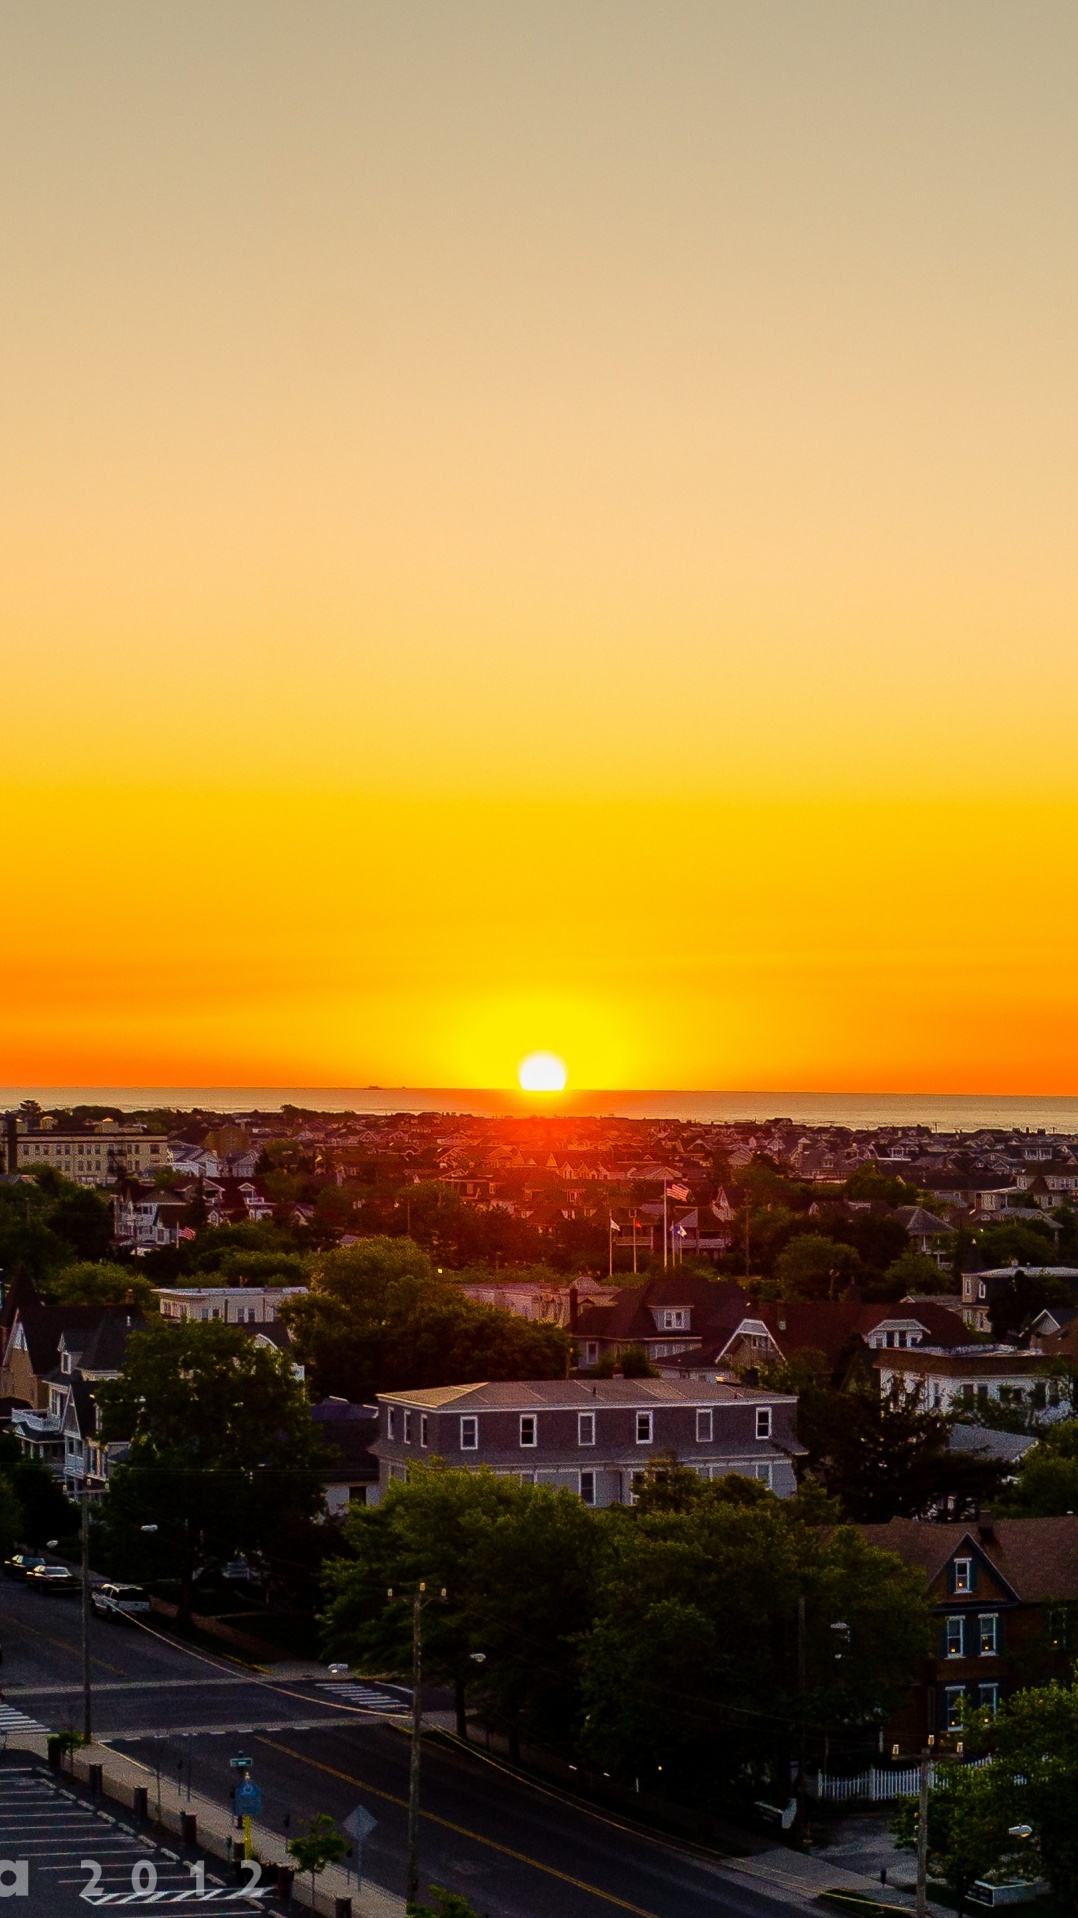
point(674, 1320)
point(65, 1363)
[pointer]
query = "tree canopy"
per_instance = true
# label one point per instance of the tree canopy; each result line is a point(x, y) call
point(223, 1453)
point(884, 1456)
point(379, 1318)
point(659, 1634)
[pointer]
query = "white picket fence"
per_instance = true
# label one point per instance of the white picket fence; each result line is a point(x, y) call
point(879, 1785)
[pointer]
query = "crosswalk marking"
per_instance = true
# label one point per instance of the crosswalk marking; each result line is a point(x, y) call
point(12, 1720)
point(373, 1698)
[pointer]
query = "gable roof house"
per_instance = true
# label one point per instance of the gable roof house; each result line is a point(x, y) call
point(1004, 1598)
point(61, 1429)
point(676, 1312)
point(834, 1329)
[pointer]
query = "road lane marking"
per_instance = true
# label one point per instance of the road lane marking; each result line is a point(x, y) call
point(62, 1644)
point(463, 1831)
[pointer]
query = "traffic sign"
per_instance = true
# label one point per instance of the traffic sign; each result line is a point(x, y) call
point(359, 1824)
point(248, 1800)
point(240, 1764)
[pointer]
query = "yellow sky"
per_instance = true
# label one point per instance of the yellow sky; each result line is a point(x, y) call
point(539, 526)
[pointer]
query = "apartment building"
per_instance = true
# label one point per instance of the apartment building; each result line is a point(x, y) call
point(592, 1437)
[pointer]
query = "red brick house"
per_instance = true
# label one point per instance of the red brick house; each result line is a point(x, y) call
point(1004, 1594)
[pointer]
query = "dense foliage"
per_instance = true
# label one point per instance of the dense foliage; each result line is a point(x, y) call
point(223, 1457)
point(661, 1635)
point(1013, 1818)
point(885, 1456)
point(379, 1318)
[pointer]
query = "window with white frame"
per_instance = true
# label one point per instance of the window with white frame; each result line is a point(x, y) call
point(963, 1575)
point(585, 1428)
point(703, 1426)
point(644, 1428)
point(763, 1421)
point(529, 1429)
point(763, 1473)
point(676, 1320)
point(591, 1351)
point(988, 1698)
point(954, 1636)
point(407, 1428)
point(587, 1488)
point(954, 1697)
point(469, 1433)
point(988, 1634)
point(424, 1429)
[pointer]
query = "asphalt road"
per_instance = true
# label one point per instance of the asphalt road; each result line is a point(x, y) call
point(514, 1850)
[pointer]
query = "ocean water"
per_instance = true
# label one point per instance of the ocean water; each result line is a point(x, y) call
point(947, 1112)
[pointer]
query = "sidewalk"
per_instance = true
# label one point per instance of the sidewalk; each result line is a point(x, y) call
point(798, 1877)
point(216, 1829)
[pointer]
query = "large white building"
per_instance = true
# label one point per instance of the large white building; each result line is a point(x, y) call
point(970, 1375)
point(234, 1304)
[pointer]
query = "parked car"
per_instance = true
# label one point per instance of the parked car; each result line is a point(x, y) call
point(119, 1601)
point(21, 1564)
point(52, 1578)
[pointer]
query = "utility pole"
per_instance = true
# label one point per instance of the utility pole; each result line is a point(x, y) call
point(800, 1790)
point(419, 1599)
point(417, 1732)
point(922, 1831)
point(87, 1702)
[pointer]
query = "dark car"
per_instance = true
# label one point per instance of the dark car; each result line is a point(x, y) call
point(22, 1564)
point(55, 1579)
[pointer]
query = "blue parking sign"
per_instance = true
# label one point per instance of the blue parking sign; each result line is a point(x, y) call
point(248, 1799)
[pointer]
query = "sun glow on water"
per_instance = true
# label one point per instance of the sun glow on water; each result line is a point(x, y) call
point(542, 1072)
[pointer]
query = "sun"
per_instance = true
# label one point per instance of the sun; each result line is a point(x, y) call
point(542, 1072)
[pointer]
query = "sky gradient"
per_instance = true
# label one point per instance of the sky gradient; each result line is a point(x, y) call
point(547, 526)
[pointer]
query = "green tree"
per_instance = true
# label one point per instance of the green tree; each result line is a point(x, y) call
point(46, 1512)
point(83, 1219)
point(1031, 1244)
point(1021, 1297)
point(12, 1518)
point(320, 1845)
point(812, 1267)
point(692, 1663)
point(632, 1362)
point(106, 1283)
point(450, 1905)
point(915, 1272)
point(514, 1562)
point(1046, 1482)
point(1034, 1742)
point(223, 1452)
point(884, 1456)
point(970, 1815)
point(868, 1182)
point(378, 1318)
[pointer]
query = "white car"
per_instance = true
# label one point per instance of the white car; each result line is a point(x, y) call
point(119, 1601)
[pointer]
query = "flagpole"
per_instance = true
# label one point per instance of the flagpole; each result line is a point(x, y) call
point(665, 1228)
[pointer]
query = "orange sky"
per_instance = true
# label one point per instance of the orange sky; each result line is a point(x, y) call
point(547, 526)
